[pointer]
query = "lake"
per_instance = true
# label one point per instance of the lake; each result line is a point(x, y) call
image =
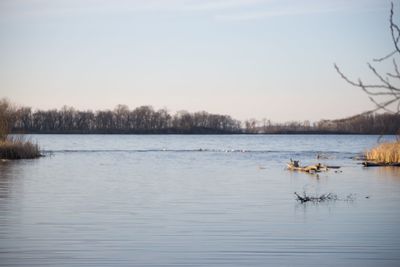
point(190, 200)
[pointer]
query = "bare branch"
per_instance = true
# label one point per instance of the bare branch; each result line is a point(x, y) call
point(398, 107)
point(385, 57)
point(394, 29)
point(391, 75)
point(385, 88)
point(372, 86)
point(396, 68)
point(384, 105)
point(386, 82)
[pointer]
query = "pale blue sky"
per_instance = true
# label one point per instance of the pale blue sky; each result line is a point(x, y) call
point(247, 58)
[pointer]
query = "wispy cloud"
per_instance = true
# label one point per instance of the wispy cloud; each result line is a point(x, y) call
point(257, 15)
point(229, 10)
point(133, 5)
point(57, 8)
point(218, 4)
point(305, 7)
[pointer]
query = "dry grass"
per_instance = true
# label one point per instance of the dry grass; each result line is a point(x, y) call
point(385, 153)
point(13, 147)
point(18, 148)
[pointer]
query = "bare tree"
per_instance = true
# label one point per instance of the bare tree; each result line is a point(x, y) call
point(6, 118)
point(385, 94)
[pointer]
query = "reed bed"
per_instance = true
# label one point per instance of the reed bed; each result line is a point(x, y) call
point(387, 153)
point(18, 148)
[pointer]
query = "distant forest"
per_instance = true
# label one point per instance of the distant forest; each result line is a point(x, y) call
point(146, 120)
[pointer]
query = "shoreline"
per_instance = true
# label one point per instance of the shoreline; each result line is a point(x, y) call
point(177, 133)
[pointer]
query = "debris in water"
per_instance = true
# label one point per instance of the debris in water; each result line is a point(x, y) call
point(295, 166)
point(318, 198)
point(379, 164)
point(321, 198)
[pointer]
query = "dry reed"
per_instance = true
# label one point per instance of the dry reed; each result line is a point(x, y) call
point(18, 148)
point(385, 153)
point(13, 147)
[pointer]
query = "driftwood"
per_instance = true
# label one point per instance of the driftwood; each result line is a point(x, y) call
point(333, 167)
point(294, 166)
point(379, 164)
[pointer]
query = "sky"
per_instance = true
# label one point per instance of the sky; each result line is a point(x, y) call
point(246, 58)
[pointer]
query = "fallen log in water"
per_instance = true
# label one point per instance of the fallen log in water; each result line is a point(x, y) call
point(333, 167)
point(379, 164)
point(294, 166)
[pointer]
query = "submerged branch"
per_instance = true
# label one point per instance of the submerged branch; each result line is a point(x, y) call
point(305, 197)
point(319, 198)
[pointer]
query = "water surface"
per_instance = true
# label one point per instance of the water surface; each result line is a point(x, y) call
point(173, 200)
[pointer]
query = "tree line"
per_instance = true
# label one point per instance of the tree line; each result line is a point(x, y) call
point(146, 120)
point(366, 123)
point(121, 120)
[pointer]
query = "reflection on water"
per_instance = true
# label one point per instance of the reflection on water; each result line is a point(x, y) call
point(9, 170)
point(4, 179)
point(176, 205)
point(388, 173)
